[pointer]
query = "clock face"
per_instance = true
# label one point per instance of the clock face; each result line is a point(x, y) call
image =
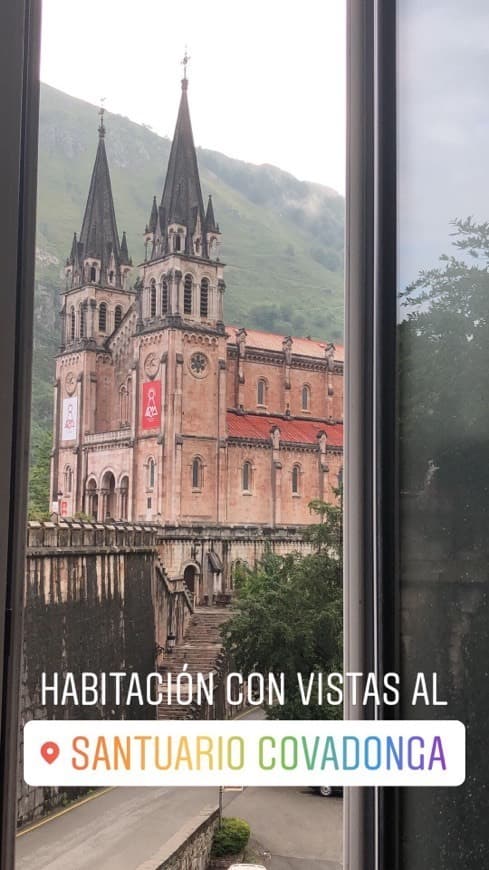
point(70, 383)
point(199, 365)
point(151, 365)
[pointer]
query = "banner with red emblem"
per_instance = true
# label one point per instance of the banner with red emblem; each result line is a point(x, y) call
point(151, 405)
point(69, 419)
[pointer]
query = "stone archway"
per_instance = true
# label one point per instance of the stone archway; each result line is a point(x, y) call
point(92, 499)
point(108, 496)
point(190, 578)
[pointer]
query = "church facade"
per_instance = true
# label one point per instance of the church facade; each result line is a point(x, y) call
point(163, 412)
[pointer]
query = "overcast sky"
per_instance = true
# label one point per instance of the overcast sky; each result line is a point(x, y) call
point(267, 77)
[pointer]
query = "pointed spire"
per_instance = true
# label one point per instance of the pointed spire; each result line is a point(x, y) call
point(125, 259)
point(99, 237)
point(210, 221)
point(182, 196)
point(153, 218)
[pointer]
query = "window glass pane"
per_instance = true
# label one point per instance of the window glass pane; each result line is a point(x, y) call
point(444, 420)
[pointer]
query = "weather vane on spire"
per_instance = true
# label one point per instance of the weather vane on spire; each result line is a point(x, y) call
point(101, 112)
point(184, 63)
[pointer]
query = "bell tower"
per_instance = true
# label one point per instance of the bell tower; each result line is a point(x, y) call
point(95, 300)
point(180, 317)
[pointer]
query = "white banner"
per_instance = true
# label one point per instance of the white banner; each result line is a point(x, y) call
point(70, 419)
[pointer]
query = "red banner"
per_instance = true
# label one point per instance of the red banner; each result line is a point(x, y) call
point(151, 405)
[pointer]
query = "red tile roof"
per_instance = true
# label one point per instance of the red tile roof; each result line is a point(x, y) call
point(258, 427)
point(270, 341)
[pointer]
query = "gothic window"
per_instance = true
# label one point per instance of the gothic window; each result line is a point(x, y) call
point(72, 323)
point(93, 273)
point(296, 471)
point(117, 316)
point(164, 296)
point(204, 297)
point(102, 317)
point(176, 242)
point(197, 246)
point(82, 321)
point(246, 476)
point(187, 295)
point(197, 473)
point(123, 404)
point(68, 480)
point(261, 392)
point(151, 473)
point(152, 298)
point(111, 277)
point(306, 398)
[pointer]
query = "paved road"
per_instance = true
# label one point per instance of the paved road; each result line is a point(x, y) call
point(120, 828)
point(300, 829)
point(123, 827)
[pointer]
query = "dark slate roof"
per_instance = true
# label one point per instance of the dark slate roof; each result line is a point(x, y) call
point(99, 236)
point(182, 196)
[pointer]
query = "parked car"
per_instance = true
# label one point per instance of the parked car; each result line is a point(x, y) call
point(247, 867)
point(329, 790)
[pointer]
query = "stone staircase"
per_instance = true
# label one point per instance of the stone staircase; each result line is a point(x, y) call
point(201, 650)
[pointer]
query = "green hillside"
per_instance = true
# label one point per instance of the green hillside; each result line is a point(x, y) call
point(282, 238)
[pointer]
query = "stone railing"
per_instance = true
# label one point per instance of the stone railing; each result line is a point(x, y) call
point(75, 535)
point(189, 848)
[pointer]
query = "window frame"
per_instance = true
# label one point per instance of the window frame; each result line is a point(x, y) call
point(372, 631)
point(20, 33)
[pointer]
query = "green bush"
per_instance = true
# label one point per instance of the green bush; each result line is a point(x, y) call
point(231, 837)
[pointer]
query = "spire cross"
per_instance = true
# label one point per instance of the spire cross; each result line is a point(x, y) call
point(184, 63)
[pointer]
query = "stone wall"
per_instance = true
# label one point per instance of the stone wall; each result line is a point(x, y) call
point(189, 548)
point(96, 599)
point(189, 848)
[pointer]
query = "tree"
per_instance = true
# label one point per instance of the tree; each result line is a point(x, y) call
point(288, 616)
point(443, 361)
point(41, 445)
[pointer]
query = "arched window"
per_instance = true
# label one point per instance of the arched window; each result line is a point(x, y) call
point(123, 404)
point(72, 323)
point(68, 479)
point(306, 398)
point(164, 296)
point(296, 479)
point(151, 473)
point(261, 392)
point(204, 297)
point(152, 298)
point(176, 242)
point(93, 273)
point(246, 476)
point(82, 321)
point(340, 478)
point(187, 295)
point(102, 317)
point(111, 277)
point(197, 246)
point(197, 473)
point(117, 316)
point(124, 497)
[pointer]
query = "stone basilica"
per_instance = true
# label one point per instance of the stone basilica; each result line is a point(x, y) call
point(163, 412)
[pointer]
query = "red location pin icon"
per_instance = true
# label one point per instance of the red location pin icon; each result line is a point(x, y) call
point(50, 751)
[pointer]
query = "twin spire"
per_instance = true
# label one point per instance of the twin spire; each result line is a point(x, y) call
point(99, 246)
point(181, 204)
